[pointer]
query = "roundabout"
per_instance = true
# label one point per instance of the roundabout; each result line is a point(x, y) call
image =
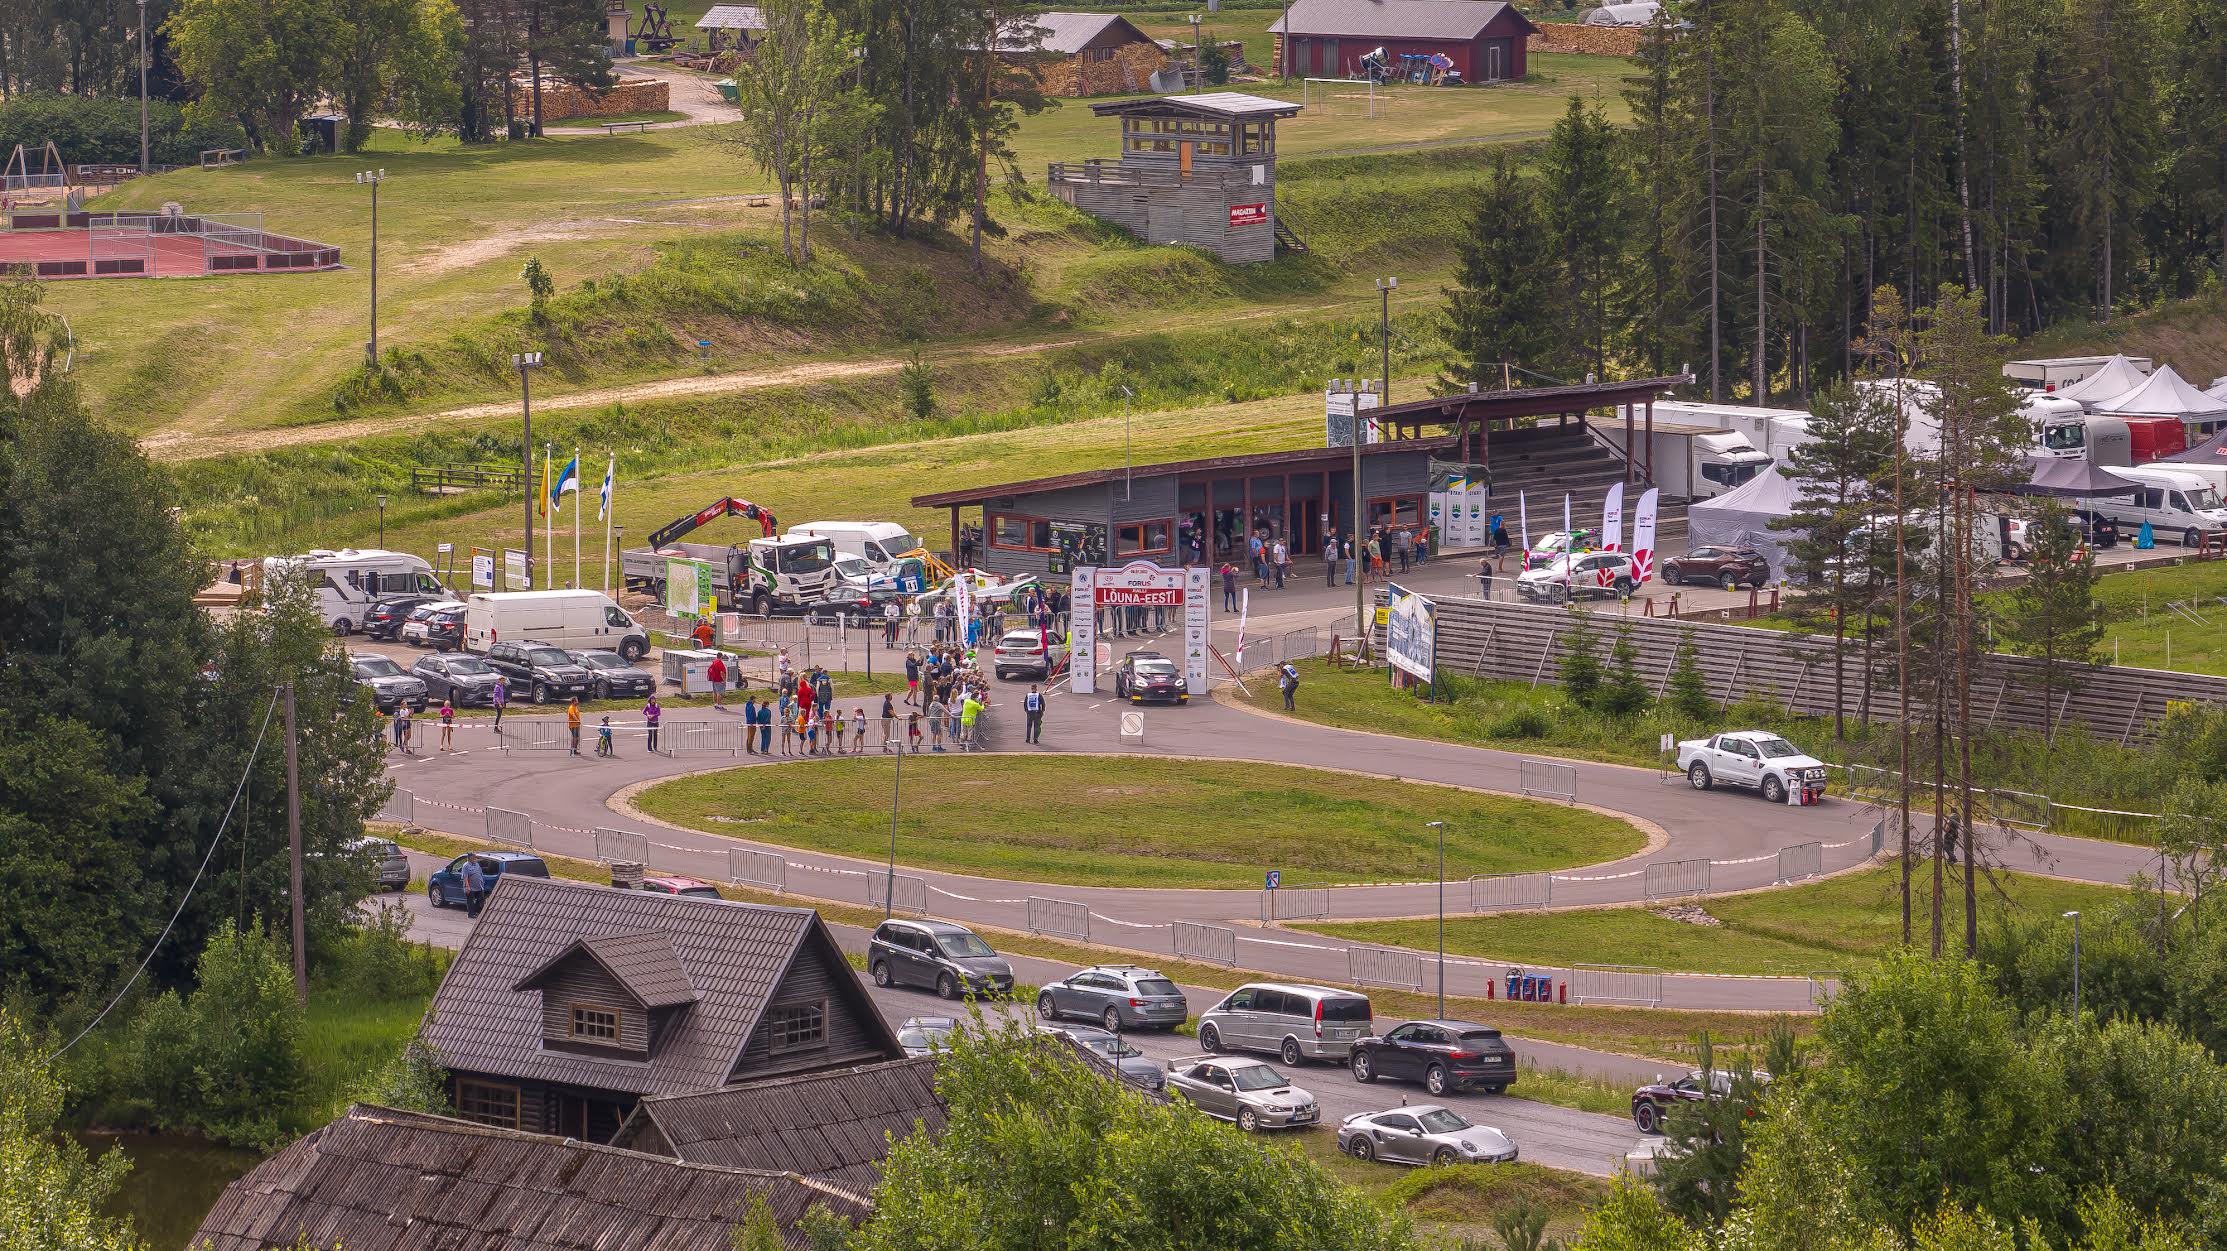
point(1126, 822)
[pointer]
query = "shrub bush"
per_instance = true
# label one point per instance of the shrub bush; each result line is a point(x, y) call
point(1519, 723)
point(104, 130)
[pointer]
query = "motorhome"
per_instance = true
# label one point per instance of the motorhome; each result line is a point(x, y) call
point(350, 580)
point(574, 620)
point(2177, 504)
point(1691, 459)
point(889, 550)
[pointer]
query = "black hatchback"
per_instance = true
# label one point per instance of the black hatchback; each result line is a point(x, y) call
point(1443, 1055)
point(384, 619)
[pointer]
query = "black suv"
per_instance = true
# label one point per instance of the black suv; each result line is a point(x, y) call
point(461, 680)
point(1443, 1055)
point(949, 958)
point(543, 670)
point(384, 619)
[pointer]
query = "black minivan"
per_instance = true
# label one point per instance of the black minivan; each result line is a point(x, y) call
point(950, 959)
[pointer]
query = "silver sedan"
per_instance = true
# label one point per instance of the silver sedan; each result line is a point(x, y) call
point(1249, 1092)
point(1424, 1134)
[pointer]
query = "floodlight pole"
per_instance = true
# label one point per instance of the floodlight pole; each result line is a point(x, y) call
point(372, 179)
point(1198, 57)
point(1440, 826)
point(889, 884)
point(526, 362)
point(143, 166)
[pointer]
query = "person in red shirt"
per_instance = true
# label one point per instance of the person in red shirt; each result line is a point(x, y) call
point(804, 695)
point(717, 672)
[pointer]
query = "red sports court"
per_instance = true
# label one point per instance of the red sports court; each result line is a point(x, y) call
point(55, 244)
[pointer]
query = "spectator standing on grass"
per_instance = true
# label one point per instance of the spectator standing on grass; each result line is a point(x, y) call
point(717, 672)
point(652, 713)
point(1287, 681)
point(572, 722)
point(1033, 705)
point(475, 887)
point(500, 695)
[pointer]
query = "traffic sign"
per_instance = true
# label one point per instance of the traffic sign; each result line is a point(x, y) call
point(1275, 878)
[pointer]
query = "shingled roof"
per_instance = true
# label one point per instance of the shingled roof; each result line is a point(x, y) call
point(732, 955)
point(833, 1127)
point(643, 962)
point(381, 1180)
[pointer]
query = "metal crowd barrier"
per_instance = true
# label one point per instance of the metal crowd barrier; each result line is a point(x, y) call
point(400, 806)
point(1294, 903)
point(1384, 966)
point(1494, 891)
point(1616, 983)
point(1670, 878)
point(1823, 986)
point(521, 734)
point(1062, 917)
point(505, 826)
point(911, 893)
point(613, 844)
point(1800, 861)
point(1547, 778)
point(700, 738)
point(1211, 943)
point(758, 868)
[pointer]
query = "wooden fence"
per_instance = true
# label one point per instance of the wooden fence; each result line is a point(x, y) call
point(1525, 643)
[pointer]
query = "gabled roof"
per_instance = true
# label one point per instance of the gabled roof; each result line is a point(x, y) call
point(1068, 33)
point(377, 1178)
point(1397, 19)
point(732, 17)
point(2164, 394)
point(1214, 464)
point(735, 956)
point(1222, 105)
point(642, 962)
point(834, 1127)
point(2117, 377)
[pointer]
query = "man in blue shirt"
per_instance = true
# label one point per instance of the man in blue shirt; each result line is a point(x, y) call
point(475, 886)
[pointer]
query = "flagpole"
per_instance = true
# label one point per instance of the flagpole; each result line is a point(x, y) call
point(576, 519)
point(549, 501)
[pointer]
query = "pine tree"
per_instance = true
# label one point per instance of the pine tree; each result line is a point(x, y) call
point(2052, 615)
point(1501, 310)
point(1689, 687)
point(2105, 155)
point(1581, 661)
point(1651, 312)
point(1584, 194)
point(1624, 693)
point(1840, 471)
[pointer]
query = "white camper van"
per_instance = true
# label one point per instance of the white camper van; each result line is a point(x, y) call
point(575, 620)
point(350, 580)
point(2178, 504)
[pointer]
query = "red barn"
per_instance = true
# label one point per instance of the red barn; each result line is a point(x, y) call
point(1485, 39)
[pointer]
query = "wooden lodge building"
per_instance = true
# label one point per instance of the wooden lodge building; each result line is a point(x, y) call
point(1486, 40)
point(1197, 170)
point(1083, 54)
point(571, 1003)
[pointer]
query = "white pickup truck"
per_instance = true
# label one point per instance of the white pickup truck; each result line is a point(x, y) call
point(1757, 759)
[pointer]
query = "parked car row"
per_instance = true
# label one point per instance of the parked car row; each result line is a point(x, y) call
point(536, 673)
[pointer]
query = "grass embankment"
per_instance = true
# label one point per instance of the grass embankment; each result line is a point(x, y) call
point(1826, 926)
point(1513, 716)
point(1463, 1200)
point(1086, 822)
point(1651, 1032)
point(2143, 632)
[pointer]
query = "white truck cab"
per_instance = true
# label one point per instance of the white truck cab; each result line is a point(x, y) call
point(349, 581)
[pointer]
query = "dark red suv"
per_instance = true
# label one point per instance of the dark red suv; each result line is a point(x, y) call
point(1728, 567)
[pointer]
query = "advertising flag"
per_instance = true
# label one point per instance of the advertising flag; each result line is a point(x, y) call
point(1612, 519)
point(1643, 537)
point(1523, 522)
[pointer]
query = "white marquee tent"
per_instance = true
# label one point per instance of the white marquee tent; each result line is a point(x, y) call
point(1742, 518)
point(2165, 394)
point(2117, 377)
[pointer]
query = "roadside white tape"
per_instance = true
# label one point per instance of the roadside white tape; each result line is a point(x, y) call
point(1273, 942)
point(1134, 925)
point(1750, 860)
point(1606, 877)
point(952, 894)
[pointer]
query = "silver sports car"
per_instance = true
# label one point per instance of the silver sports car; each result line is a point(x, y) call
point(1249, 1092)
point(1424, 1134)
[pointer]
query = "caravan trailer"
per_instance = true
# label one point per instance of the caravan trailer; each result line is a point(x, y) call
point(350, 580)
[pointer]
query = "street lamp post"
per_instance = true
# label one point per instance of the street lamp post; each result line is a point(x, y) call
point(1126, 396)
point(382, 521)
point(143, 166)
point(1440, 826)
point(527, 362)
point(372, 178)
point(896, 787)
point(2075, 968)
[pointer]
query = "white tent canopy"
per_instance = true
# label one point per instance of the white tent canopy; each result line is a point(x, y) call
point(2116, 378)
point(2165, 394)
point(1742, 518)
point(2218, 389)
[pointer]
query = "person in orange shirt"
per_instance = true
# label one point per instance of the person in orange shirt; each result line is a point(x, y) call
point(572, 722)
point(702, 634)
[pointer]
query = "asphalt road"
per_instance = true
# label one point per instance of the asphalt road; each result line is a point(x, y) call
point(1546, 1134)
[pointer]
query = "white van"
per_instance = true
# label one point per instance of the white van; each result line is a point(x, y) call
point(350, 580)
point(575, 620)
point(2177, 504)
point(880, 544)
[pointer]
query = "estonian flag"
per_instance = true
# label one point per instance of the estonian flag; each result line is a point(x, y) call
point(567, 479)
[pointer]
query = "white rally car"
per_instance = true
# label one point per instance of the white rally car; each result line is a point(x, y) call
point(1757, 759)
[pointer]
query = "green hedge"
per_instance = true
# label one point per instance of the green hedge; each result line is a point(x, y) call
point(104, 130)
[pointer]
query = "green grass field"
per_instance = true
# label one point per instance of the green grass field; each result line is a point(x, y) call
point(1828, 926)
point(2143, 632)
point(1141, 823)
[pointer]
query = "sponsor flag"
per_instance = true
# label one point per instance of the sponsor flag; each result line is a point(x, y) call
point(1612, 519)
point(1523, 522)
point(1643, 537)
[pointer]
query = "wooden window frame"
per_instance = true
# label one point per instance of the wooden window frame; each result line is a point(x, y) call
point(990, 531)
point(782, 1023)
point(573, 1030)
point(465, 1102)
point(1119, 552)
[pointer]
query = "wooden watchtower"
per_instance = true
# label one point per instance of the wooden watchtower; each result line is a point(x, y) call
point(1195, 169)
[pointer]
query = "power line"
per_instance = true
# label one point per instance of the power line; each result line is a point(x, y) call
point(190, 886)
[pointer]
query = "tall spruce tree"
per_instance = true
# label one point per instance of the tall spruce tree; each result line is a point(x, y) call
point(2053, 615)
point(1501, 309)
point(2104, 161)
point(1584, 196)
point(1841, 471)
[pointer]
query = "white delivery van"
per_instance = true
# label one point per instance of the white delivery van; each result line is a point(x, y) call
point(880, 544)
point(2178, 504)
point(575, 620)
point(350, 580)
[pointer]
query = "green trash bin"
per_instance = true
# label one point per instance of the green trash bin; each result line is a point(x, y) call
point(729, 92)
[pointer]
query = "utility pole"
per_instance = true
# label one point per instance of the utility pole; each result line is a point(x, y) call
point(1440, 826)
point(889, 884)
point(143, 166)
point(1198, 57)
point(372, 179)
point(1126, 396)
point(1384, 288)
point(294, 849)
point(527, 362)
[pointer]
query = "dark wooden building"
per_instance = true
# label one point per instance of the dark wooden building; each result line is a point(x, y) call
point(1198, 170)
point(377, 1179)
point(1485, 39)
point(569, 1003)
point(1083, 54)
point(833, 1127)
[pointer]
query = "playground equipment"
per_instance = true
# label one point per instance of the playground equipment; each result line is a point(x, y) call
point(654, 33)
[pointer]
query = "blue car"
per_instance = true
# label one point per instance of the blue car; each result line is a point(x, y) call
point(446, 887)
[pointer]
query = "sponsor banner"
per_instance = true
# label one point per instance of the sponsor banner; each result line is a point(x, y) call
point(1410, 632)
point(1248, 214)
point(1612, 519)
point(1643, 537)
point(1126, 597)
